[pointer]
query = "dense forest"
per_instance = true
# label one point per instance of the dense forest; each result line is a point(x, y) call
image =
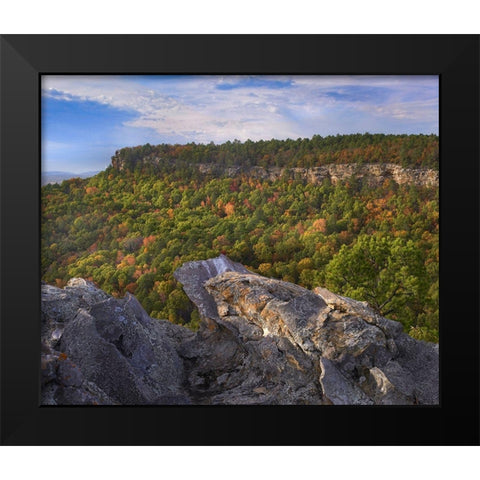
point(129, 230)
point(404, 150)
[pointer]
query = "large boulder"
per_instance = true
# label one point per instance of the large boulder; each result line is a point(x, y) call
point(193, 275)
point(356, 356)
point(114, 345)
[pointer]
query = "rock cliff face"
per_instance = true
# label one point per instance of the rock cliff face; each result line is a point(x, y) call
point(373, 174)
point(261, 341)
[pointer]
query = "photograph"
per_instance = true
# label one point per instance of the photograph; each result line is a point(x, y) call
point(234, 240)
point(239, 239)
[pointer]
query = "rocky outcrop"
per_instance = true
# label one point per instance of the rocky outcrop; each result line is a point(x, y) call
point(373, 174)
point(261, 341)
point(352, 355)
point(109, 344)
point(193, 275)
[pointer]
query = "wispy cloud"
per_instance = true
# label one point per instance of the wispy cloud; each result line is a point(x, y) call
point(85, 118)
point(219, 108)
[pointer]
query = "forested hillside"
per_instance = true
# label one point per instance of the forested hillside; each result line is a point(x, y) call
point(129, 228)
point(404, 150)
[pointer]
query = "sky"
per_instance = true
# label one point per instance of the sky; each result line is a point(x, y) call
point(86, 118)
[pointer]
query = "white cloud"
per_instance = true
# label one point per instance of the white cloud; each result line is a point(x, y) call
point(195, 109)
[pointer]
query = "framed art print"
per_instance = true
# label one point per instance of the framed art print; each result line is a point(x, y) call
point(239, 240)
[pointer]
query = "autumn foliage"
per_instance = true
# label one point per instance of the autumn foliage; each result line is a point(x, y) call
point(368, 243)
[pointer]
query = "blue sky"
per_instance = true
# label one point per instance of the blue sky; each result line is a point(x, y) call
point(86, 118)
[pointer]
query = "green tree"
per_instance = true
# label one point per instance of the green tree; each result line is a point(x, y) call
point(389, 273)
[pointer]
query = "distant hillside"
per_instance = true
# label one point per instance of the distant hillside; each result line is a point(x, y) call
point(355, 214)
point(59, 177)
point(406, 151)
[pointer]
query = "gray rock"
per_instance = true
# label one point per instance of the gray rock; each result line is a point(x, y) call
point(361, 358)
point(338, 389)
point(193, 275)
point(261, 341)
point(48, 368)
point(109, 351)
point(115, 351)
point(69, 374)
point(62, 383)
point(59, 305)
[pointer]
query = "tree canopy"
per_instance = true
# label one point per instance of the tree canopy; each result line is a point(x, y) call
point(129, 230)
point(404, 150)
